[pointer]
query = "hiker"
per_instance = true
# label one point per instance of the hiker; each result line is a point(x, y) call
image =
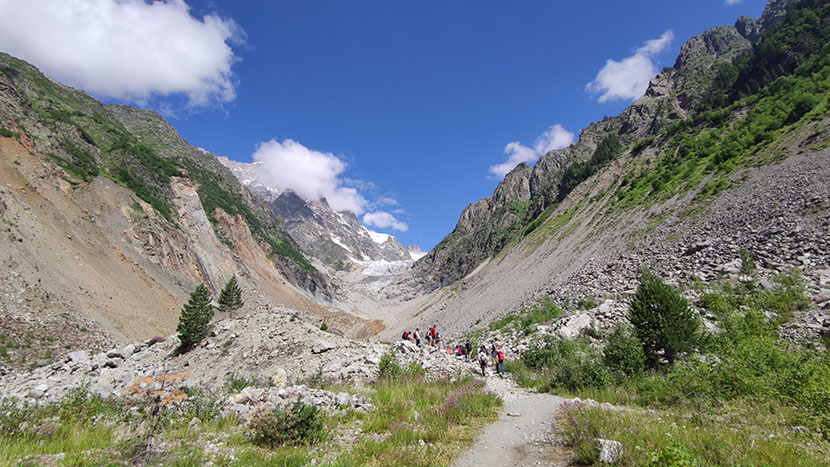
point(417, 336)
point(405, 336)
point(500, 364)
point(437, 339)
point(431, 336)
point(459, 351)
point(468, 354)
point(482, 359)
point(494, 352)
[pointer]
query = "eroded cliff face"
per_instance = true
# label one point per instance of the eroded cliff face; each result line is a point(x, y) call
point(88, 264)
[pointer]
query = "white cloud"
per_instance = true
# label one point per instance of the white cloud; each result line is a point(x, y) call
point(733, 2)
point(384, 220)
point(556, 137)
point(628, 79)
point(125, 49)
point(312, 175)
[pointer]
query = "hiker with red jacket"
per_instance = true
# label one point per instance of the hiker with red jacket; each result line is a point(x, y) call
point(500, 363)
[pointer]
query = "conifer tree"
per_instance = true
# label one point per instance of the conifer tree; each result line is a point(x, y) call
point(230, 299)
point(662, 320)
point(195, 318)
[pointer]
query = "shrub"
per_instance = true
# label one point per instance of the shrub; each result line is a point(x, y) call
point(324, 327)
point(672, 455)
point(389, 366)
point(195, 318)
point(301, 424)
point(568, 365)
point(623, 351)
point(662, 320)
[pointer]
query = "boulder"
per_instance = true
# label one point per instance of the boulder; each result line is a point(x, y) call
point(609, 451)
point(79, 356)
point(571, 327)
point(322, 346)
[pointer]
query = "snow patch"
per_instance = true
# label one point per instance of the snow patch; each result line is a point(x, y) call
point(339, 242)
point(415, 252)
point(378, 237)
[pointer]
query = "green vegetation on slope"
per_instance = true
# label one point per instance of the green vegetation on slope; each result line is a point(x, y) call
point(743, 371)
point(92, 141)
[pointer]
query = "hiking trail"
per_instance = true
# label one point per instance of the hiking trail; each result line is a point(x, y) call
point(523, 434)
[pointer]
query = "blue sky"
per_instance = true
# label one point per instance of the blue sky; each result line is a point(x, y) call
point(399, 110)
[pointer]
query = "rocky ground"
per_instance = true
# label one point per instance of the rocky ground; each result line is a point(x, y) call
point(279, 347)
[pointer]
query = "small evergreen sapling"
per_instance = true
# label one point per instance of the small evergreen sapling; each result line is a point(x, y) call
point(195, 318)
point(662, 320)
point(230, 299)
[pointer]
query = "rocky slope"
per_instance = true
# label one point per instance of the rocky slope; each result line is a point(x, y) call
point(526, 195)
point(337, 239)
point(110, 219)
point(684, 201)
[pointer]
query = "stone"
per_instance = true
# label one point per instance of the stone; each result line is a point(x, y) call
point(342, 399)
point(322, 346)
point(609, 451)
point(573, 326)
point(79, 356)
point(279, 378)
point(39, 391)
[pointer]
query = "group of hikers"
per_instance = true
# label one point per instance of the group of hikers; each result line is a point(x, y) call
point(433, 337)
point(493, 356)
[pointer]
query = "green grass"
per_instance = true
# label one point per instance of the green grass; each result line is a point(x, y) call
point(738, 433)
point(89, 430)
point(543, 311)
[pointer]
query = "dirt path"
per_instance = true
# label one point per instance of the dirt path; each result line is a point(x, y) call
point(522, 436)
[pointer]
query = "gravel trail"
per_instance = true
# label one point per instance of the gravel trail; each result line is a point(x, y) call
point(523, 435)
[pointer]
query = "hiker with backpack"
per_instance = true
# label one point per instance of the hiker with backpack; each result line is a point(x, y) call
point(468, 351)
point(482, 359)
point(417, 336)
point(500, 364)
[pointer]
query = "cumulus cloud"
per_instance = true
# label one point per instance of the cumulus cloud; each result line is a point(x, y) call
point(312, 175)
point(556, 137)
point(125, 49)
point(733, 2)
point(628, 78)
point(384, 220)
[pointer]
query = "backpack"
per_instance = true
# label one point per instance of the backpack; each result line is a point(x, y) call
point(482, 359)
point(501, 355)
point(405, 336)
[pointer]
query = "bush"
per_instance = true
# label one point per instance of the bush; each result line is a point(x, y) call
point(301, 424)
point(672, 456)
point(568, 365)
point(195, 319)
point(662, 320)
point(623, 353)
point(389, 366)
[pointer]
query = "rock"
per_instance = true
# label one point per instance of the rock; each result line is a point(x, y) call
point(194, 422)
point(609, 451)
point(80, 356)
point(322, 346)
point(279, 378)
point(111, 364)
point(571, 327)
point(39, 391)
point(342, 399)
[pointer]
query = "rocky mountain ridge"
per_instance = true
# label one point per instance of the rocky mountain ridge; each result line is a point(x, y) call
point(526, 195)
point(337, 239)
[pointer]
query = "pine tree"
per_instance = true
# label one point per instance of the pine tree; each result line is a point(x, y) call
point(662, 320)
point(231, 297)
point(195, 318)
